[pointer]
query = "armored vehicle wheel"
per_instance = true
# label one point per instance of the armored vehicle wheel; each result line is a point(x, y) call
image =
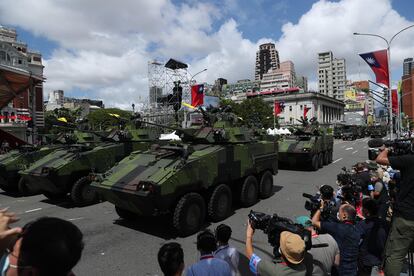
point(5, 186)
point(219, 205)
point(314, 166)
point(189, 214)
point(249, 191)
point(266, 185)
point(330, 156)
point(320, 160)
point(125, 214)
point(55, 197)
point(82, 194)
point(326, 158)
point(22, 188)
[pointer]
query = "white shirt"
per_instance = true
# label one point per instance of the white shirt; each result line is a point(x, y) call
point(209, 266)
point(230, 255)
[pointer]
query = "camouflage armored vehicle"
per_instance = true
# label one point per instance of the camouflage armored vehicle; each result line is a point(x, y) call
point(337, 132)
point(378, 131)
point(309, 146)
point(66, 170)
point(199, 176)
point(350, 132)
point(15, 160)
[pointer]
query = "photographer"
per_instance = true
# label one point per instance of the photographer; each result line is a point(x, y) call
point(402, 229)
point(326, 193)
point(326, 257)
point(294, 260)
point(345, 234)
point(374, 231)
point(379, 193)
point(362, 176)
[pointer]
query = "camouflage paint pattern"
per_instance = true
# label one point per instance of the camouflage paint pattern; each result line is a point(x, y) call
point(150, 182)
point(14, 161)
point(57, 172)
point(298, 150)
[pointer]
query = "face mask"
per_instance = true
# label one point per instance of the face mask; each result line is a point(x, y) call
point(5, 265)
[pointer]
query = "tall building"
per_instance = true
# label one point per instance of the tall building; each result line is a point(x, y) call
point(331, 75)
point(302, 82)
point(282, 78)
point(266, 58)
point(407, 97)
point(408, 66)
point(16, 54)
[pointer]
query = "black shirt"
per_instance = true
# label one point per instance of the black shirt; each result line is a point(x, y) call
point(363, 179)
point(347, 237)
point(404, 205)
point(373, 243)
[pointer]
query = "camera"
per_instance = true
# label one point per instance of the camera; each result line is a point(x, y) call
point(326, 194)
point(273, 225)
point(350, 187)
point(397, 147)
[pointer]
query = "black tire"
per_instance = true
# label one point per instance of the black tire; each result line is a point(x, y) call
point(320, 160)
point(125, 214)
point(266, 185)
point(6, 186)
point(55, 196)
point(82, 194)
point(314, 166)
point(326, 158)
point(189, 214)
point(23, 189)
point(220, 203)
point(249, 191)
point(330, 154)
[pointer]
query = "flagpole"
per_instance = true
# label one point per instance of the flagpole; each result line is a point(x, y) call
point(389, 74)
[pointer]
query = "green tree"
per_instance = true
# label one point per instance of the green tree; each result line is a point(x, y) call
point(51, 118)
point(101, 120)
point(254, 111)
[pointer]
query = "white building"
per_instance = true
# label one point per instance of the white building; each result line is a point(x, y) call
point(331, 75)
point(326, 109)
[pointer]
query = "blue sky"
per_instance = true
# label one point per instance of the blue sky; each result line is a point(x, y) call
point(95, 49)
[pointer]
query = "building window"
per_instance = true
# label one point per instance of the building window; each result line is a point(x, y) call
point(2, 55)
point(19, 61)
point(290, 108)
point(301, 107)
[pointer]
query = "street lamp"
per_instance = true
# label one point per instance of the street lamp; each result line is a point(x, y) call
point(389, 71)
point(193, 76)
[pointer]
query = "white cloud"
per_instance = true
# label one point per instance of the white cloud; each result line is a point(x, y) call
point(330, 26)
point(104, 46)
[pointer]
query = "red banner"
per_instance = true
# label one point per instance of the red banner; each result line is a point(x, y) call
point(394, 101)
point(305, 111)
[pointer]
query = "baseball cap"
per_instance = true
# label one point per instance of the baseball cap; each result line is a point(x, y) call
point(304, 221)
point(292, 247)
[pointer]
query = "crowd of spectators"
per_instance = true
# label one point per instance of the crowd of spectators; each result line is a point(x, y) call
point(368, 235)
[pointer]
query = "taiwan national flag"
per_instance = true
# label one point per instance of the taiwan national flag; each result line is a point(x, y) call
point(394, 101)
point(378, 61)
point(278, 107)
point(305, 111)
point(197, 95)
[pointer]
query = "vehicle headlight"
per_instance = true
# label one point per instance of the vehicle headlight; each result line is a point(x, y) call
point(146, 187)
point(45, 170)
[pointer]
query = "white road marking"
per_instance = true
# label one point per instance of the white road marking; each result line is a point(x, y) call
point(354, 152)
point(343, 146)
point(72, 219)
point(351, 148)
point(33, 210)
point(337, 160)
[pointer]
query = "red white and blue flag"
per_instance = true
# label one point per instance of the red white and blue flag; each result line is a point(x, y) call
point(378, 61)
point(305, 111)
point(197, 95)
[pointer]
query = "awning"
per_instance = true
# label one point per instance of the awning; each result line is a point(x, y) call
point(14, 81)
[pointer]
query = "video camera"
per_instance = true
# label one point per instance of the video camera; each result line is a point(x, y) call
point(326, 193)
point(274, 225)
point(396, 147)
point(350, 189)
